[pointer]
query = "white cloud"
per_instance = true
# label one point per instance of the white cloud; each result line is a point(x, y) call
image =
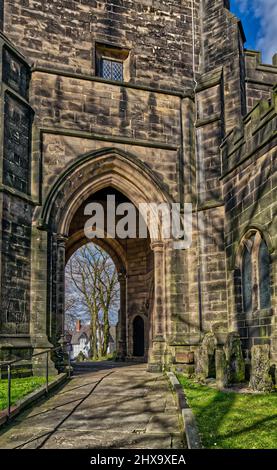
point(267, 38)
point(266, 12)
point(243, 5)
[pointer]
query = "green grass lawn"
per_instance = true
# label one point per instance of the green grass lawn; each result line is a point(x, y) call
point(19, 389)
point(230, 420)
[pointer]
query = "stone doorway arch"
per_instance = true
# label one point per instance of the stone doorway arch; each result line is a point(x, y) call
point(54, 240)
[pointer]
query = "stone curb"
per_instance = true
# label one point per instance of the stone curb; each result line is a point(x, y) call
point(30, 399)
point(190, 426)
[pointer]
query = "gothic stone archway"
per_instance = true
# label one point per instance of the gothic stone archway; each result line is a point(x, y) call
point(59, 233)
point(133, 259)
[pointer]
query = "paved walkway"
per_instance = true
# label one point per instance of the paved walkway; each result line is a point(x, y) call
point(105, 405)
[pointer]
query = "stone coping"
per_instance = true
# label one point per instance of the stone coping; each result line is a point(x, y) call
point(30, 399)
point(190, 426)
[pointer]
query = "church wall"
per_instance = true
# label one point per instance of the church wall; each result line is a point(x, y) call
point(260, 78)
point(16, 204)
point(169, 116)
point(62, 34)
point(249, 158)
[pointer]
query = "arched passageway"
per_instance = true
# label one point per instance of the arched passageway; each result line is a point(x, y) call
point(92, 299)
point(133, 259)
point(140, 261)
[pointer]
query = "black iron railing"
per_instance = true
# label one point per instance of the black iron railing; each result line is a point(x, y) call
point(11, 363)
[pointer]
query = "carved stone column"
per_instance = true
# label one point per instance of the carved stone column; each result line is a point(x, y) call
point(60, 285)
point(39, 324)
point(57, 329)
point(157, 348)
point(122, 342)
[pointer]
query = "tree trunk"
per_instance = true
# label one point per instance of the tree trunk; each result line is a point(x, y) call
point(106, 332)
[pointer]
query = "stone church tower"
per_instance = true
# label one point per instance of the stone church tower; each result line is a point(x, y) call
point(149, 101)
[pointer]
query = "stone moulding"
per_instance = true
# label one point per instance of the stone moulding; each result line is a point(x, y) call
point(93, 157)
point(189, 422)
point(93, 78)
point(107, 138)
point(257, 133)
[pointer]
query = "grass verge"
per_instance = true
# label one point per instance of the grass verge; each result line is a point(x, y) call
point(19, 389)
point(230, 420)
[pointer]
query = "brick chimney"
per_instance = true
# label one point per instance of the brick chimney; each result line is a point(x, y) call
point(78, 325)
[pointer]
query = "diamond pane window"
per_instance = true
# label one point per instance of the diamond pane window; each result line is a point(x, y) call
point(117, 71)
point(112, 70)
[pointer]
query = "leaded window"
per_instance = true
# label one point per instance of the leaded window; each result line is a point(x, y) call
point(112, 62)
point(112, 70)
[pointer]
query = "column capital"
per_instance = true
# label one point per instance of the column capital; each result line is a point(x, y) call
point(122, 275)
point(60, 239)
point(157, 245)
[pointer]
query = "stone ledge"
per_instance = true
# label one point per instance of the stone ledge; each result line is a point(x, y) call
point(30, 399)
point(93, 78)
point(190, 426)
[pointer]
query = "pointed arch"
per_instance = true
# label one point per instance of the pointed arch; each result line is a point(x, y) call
point(253, 268)
point(94, 171)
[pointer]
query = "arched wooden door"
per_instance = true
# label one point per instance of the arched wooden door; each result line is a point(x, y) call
point(138, 336)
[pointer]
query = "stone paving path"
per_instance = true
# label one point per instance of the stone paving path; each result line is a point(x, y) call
point(105, 405)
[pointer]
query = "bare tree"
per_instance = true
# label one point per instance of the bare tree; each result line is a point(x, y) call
point(92, 290)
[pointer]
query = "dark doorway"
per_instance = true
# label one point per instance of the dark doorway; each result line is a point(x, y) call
point(138, 336)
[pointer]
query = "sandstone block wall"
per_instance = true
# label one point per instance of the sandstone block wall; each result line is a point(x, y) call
point(249, 162)
point(170, 114)
point(260, 78)
point(62, 34)
point(16, 205)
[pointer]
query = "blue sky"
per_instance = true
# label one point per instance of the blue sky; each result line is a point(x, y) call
point(259, 19)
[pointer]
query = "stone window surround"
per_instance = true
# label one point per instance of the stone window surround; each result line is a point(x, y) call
point(254, 246)
point(114, 53)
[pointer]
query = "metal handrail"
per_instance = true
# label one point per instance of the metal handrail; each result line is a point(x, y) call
point(3, 363)
point(18, 361)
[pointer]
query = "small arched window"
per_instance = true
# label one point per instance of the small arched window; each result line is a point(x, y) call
point(247, 279)
point(255, 273)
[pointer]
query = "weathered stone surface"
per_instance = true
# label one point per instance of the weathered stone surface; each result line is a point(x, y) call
point(260, 380)
point(185, 357)
point(205, 358)
point(221, 369)
point(234, 359)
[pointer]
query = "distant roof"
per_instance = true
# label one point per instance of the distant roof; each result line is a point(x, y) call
point(76, 335)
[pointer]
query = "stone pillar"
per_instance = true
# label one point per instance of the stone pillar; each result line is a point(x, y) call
point(122, 342)
point(39, 321)
point(157, 348)
point(58, 298)
point(60, 285)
